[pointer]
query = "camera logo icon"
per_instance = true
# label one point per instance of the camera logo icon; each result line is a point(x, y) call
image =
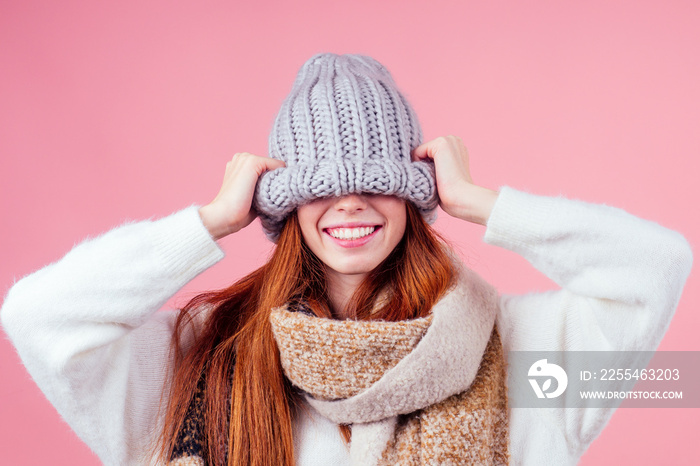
point(542, 369)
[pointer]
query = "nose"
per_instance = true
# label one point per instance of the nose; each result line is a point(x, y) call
point(351, 203)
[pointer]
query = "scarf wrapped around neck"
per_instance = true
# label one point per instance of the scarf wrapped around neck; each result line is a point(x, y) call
point(425, 391)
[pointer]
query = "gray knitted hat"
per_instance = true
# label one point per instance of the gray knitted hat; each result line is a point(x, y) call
point(344, 128)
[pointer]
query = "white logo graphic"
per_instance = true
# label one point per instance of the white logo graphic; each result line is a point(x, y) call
point(543, 369)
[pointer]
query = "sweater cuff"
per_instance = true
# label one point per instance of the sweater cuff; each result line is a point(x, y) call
point(518, 218)
point(184, 244)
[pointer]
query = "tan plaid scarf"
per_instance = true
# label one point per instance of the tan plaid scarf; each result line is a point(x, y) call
point(426, 391)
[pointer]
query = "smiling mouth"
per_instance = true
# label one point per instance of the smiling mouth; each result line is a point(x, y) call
point(351, 233)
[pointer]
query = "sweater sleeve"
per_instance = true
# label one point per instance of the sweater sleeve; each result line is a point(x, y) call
point(87, 330)
point(621, 278)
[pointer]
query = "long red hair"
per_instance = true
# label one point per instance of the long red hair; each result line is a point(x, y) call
point(247, 411)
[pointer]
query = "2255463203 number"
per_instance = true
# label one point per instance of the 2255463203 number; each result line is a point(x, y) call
point(639, 374)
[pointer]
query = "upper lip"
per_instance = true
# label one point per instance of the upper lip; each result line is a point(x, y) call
point(352, 225)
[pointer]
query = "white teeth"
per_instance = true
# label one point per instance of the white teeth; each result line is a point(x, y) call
point(351, 233)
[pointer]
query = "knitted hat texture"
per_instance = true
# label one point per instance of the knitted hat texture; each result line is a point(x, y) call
point(344, 128)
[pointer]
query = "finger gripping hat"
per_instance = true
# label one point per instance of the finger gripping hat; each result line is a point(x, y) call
point(344, 128)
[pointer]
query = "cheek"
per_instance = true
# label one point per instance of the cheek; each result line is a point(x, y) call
point(396, 213)
point(309, 216)
point(307, 230)
point(399, 231)
point(401, 226)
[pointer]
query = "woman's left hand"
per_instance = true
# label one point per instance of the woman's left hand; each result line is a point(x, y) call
point(458, 194)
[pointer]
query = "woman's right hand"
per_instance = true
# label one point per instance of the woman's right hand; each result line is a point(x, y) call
point(232, 209)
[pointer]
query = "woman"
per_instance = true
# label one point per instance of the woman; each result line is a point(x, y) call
point(363, 339)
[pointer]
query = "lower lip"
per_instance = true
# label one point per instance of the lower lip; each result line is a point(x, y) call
point(353, 243)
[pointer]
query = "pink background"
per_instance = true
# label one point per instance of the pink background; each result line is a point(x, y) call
point(131, 110)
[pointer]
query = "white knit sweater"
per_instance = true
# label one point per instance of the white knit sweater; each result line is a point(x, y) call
point(87, 329)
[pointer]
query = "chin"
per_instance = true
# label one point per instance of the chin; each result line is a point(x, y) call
point(352, 268)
